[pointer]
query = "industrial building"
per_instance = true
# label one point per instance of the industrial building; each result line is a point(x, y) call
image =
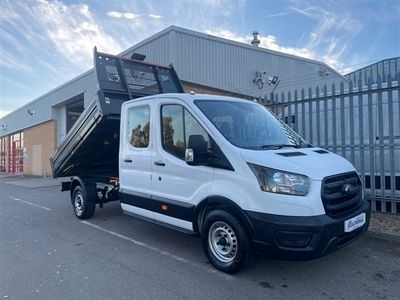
point(204, 63)
point(379, 70)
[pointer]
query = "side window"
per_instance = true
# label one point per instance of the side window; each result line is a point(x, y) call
point(177, 125)
point(139, 126)
point(173, 138)
point(193, 127)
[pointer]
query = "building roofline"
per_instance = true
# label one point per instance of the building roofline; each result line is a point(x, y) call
point(149, 39)
point(49, 93)
point(228, 42)
point(189, 32)
point(375, 63)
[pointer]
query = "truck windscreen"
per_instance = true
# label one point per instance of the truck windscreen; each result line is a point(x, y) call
point(249, 125)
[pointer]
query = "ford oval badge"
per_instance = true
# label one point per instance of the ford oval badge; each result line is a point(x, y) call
point(349, 189)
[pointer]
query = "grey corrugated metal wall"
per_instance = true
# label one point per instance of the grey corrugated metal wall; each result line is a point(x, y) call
point(156, 50)
point(229, 65)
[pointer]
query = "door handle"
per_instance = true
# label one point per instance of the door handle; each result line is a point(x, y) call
point(128, 160)
point(159, 163)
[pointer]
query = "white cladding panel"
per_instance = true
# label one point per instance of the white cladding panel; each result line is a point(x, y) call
point(44, 106)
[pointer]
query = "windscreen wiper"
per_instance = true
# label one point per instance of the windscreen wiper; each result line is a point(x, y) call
point(278, 146)
point(306, 145)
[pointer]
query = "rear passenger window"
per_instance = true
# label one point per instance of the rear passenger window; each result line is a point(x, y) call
point(139, 126)
point(177, 125)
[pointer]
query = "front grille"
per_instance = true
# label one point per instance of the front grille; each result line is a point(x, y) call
point(338, 196)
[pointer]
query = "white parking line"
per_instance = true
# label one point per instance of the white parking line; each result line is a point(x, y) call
point(30, 203)
point(159, 251)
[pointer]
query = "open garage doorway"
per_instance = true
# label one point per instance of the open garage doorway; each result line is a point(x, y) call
point(74, 110)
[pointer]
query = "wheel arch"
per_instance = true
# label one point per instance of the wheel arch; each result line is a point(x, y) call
point(87, 184)
point(213, 202)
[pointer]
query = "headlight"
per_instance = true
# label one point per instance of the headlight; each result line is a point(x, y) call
point(282, 182)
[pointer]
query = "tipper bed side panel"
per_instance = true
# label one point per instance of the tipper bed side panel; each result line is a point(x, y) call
point(91, 146)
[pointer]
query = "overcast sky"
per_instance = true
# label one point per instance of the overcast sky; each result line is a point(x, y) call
point(46, 43)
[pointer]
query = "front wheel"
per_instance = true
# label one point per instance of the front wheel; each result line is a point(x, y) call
point(84, 207)
point(226, 242)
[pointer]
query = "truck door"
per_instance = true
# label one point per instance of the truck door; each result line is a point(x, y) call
point(135, 165)
point(177, 186)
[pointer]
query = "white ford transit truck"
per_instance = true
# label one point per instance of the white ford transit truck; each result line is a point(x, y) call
point(223, 168)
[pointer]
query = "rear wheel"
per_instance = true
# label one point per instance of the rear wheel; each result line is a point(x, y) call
point(226, 242)
point(84, 205)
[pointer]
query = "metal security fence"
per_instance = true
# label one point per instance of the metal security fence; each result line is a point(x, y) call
point(360, 123)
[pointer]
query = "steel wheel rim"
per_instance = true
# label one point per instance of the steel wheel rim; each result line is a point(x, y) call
point(78, 203)
point(222, 242)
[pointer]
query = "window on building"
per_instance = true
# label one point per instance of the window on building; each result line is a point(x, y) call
point(177, 125)
point(139, 126)
point(3, 154)
point(16, 153)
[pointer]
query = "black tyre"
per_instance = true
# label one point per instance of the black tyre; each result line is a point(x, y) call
point(226, 243)
point(84, 203)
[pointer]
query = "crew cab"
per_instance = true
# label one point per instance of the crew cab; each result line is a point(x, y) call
point(225, 169)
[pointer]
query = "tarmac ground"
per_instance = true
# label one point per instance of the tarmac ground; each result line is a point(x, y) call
point(47, 253)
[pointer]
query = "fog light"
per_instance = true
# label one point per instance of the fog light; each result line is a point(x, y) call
point(293, 239)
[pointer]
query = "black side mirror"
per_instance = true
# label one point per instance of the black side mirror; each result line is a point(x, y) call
point(196, 151)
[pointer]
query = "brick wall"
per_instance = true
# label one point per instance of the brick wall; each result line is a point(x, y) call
point(40, 143)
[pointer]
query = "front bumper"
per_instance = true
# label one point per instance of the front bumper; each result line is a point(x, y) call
point(302, 238)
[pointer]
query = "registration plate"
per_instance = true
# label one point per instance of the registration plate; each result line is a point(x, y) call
point(354, 223)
